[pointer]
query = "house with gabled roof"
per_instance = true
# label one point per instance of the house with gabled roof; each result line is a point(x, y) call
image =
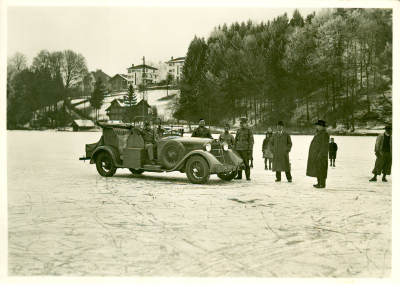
point(82, 124)
point(175, 67)
point(90, 80)
point(117, 109)
point(118, 83)
point(141, 74)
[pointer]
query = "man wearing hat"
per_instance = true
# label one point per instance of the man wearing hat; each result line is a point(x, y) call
point(281, 144)
point(383, 152)
point(202, 131)
point(149, 139)
point(227, 137)
point(244, 141)
point(317, 164)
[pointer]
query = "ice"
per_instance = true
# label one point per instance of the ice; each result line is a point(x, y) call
point(65, 219)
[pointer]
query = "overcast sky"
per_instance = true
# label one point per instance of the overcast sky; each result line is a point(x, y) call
point(113, 38)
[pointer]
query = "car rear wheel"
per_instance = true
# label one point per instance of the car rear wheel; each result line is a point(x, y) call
point(172, 153)
point(197, 170)
point(227, 176)
point(105, 165)
point(136, 172)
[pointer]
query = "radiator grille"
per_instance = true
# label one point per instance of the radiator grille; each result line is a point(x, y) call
point(218, 152)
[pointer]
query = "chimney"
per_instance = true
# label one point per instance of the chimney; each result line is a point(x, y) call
point(172, 58)
point(133, 65)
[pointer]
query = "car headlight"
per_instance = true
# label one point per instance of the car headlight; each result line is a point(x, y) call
point(225, 146)
point(208, 147)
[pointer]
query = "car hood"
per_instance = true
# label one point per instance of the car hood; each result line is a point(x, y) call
point(190, 140)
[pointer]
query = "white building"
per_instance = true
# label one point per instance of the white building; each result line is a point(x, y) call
point(175, 67)
point(141, 74)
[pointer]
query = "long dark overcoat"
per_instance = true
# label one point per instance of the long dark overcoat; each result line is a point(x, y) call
point(281, 144)
point(383, 163)
point(317, 164)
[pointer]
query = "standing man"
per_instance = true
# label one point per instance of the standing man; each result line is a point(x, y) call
point(244, 141)
point(317, 164)
point(227, 137)
point(383, 152)
point(332, 151)
point(202, 131)
point(149, 139)
point(281, 144)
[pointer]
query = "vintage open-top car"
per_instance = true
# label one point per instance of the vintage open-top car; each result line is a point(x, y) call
point(122, 146)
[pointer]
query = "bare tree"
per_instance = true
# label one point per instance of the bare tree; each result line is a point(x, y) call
point(41, 61)
point(73, 69)
point(169, 80)
point(17, 62)
point(56, 62)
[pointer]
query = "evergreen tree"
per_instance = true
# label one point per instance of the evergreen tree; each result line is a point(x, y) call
point(131, 96)
point(296, 20)
point(96, 100)
point(190, 98)
point(130, 105)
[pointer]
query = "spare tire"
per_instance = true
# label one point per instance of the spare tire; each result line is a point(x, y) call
point(171, 154)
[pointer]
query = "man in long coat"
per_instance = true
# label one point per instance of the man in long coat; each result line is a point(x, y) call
point(317, 164)
point(281, 144)
point(383, 152)
point(244, 141)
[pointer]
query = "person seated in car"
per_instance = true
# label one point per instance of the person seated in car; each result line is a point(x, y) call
point(160, 131)
point(149, 138)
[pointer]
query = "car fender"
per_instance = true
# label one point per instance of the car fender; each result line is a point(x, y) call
point(211, 160)
point(111, 150)
point(235, 158)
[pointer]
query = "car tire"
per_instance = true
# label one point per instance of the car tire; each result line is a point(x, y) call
point(171, 154)
point(136, 172)
point(105, 165)
point(227, 176)
point(197, 170)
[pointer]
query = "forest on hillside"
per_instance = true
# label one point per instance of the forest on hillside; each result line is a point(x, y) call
point(335, 65)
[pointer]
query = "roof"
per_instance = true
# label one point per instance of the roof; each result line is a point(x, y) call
point(177, 60)
point(98, 73)
point(123, 103)
point(142, 102)
point(84, 123)
point(141, 67)
point(119, 75)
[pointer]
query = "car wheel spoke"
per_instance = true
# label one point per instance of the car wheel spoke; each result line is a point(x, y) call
point(197, 170)
point(106, 164)
point(172, 155)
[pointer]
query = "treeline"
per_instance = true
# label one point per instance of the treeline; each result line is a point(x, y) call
point(325, 65)
point(53, 77)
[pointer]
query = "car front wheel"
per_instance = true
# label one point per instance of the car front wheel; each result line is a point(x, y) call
point(105, 165)
point(227, 176)
point(197, 170)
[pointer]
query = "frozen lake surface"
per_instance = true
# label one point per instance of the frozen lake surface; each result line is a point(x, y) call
point(65, 219)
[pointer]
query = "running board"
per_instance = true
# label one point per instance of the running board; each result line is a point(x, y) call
point(152, 168)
